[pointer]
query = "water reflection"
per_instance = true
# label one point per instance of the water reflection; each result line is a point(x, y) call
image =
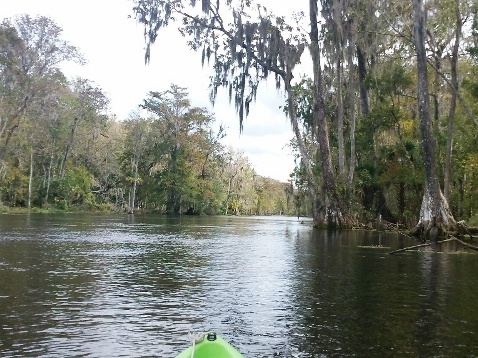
point(369, 304)
point(132, 286)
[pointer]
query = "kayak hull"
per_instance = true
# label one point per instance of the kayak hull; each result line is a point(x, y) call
point(211, 346)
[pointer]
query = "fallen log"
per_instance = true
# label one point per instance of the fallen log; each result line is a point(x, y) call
point(452, 238)
point(473, 247)
point(418, 246)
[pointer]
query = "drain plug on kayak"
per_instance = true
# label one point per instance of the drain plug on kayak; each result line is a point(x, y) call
point(211, 336)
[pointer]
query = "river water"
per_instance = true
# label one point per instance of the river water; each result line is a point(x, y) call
point(133, 286)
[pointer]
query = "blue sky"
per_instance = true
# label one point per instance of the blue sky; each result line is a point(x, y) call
point(113, 46)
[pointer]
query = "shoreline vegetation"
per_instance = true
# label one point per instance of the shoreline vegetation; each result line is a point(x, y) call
point(372, 148)
point(464, 240)
point(107, 209)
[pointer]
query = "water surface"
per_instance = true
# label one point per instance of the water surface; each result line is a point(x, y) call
point(133, 286)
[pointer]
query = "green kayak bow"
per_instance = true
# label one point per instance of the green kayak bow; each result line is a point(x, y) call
point(210, 345)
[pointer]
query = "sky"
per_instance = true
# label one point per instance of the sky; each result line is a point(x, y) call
point(113, 46)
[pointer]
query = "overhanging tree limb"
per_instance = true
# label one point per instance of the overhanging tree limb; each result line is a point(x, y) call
point(468, 110)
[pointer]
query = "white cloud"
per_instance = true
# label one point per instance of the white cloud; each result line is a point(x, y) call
point(113, 45)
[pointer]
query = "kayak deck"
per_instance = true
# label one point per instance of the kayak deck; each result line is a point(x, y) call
point(211, 346)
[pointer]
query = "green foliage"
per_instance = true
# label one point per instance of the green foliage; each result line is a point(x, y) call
point(365, 176)
point(14, 187)
point(73, 189)
point(271, 198)
point(172, 162)
point(169, 158)
point(393, 81)
point(471, 87)
point(473, 221)
point(304, 93)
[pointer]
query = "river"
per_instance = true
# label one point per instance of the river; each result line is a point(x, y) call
point(76, 285)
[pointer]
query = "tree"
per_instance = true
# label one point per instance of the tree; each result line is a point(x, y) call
point(30, 51)
point(180, 159)
point(334, 42)
point(101, 155)
point(434, 204)
point(244, 53)
point(238, 175)
point(454, 94)
point(88, 106)
point(137, 142)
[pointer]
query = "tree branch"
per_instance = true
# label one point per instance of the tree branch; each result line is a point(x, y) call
point(452, 238)
point(462, 101)
point(223, 30)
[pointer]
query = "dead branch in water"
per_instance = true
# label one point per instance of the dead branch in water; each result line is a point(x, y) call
point(473, 247)
point(417, 246)
point(452, 238)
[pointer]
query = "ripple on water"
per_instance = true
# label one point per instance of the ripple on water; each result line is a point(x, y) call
point(118, 287)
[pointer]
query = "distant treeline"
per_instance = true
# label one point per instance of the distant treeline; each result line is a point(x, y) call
point(60, 149)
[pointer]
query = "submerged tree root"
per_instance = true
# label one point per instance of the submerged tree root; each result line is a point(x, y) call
point(452, 238)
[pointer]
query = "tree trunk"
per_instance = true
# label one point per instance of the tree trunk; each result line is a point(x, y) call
point(451, 113)
point(135, 180)
point(311, 180)
point(68, 147)
point(340, 118)
point(228, 196)
point(330, 214)
point(8, 136)
point(437, 51)
point(172, 197)
point(351, 111)
point(15, 121)
point(436, 94)
point(401, 201)
point(362, 72)
point(50, 166)
point(434, 205)
point(30, 178)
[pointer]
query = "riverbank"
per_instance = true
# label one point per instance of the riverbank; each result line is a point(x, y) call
point(53, 209)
